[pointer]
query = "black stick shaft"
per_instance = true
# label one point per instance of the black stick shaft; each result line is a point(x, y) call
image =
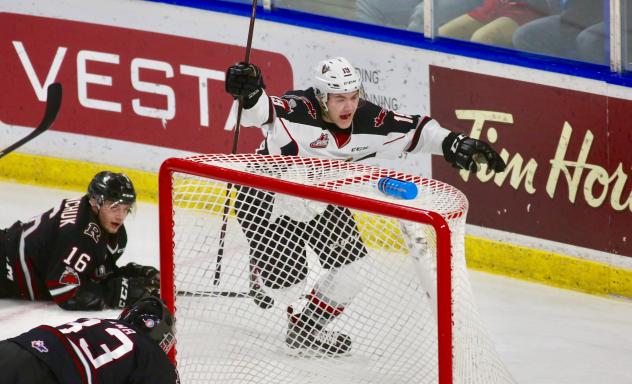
point(251, 29)
point(53, 103)
point(229, 186)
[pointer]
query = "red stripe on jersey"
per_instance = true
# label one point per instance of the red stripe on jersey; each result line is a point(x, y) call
point(271, 112)
point(64, 296)
point(291, 138)
point(21, 280)
point(60, 297)
point(417, 135)
point(390, 141)
point(342, 138)
point(71, 352)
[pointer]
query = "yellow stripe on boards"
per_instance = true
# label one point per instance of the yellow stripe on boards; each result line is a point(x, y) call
point(547, 267)
point(73, 175)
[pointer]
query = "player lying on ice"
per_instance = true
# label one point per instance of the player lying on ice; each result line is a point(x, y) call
point(127, 350)
point(329, 120)
point(69, 253)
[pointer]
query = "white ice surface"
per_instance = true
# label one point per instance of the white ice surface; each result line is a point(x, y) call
point(544, 335)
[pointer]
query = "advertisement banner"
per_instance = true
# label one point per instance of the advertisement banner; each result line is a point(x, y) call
point(127, 84)
point(567, 173)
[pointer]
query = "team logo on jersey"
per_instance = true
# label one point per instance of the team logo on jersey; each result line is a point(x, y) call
point(69, 277)
point(308, 104)
point(321, 142)
point(379, 119)
point(39, 346)
point(93, 231)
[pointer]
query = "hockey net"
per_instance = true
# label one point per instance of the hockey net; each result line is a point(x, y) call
point(413, 321)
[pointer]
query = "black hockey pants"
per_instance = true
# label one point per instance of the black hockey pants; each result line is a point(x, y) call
point(278, 247)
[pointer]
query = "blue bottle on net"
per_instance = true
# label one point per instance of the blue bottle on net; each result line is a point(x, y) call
point(397, 188)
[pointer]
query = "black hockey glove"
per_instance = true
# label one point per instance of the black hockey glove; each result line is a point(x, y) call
point(466, 153)
point(89, 297)
point(122, 291)
point(151, 274)
point(244, 80)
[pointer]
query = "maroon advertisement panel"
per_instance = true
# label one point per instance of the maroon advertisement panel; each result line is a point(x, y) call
point(127, 84)
point(567, 152)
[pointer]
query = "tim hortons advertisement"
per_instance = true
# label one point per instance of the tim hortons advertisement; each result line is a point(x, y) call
point(567, 152)
point(126, 84)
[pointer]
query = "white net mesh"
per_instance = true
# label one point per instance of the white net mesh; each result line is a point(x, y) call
point(360, 286)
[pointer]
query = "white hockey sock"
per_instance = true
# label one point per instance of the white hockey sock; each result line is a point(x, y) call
point(335, 290)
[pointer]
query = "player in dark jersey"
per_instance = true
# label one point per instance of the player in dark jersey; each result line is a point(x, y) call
point(331, 120)
point(68, 254)
point(128, 350)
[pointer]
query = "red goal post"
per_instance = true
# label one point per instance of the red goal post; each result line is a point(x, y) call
point(350, 185)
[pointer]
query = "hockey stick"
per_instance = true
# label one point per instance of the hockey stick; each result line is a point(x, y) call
point(53, 103)
point(214, 294)
point(260, 298)
point(234, 294)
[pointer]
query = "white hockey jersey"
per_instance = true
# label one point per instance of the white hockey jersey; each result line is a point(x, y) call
point(293, 126)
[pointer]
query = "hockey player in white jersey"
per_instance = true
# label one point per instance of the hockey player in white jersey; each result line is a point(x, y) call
point(330, 120)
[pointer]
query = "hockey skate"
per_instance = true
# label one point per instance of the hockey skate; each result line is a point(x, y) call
point(308, 338)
